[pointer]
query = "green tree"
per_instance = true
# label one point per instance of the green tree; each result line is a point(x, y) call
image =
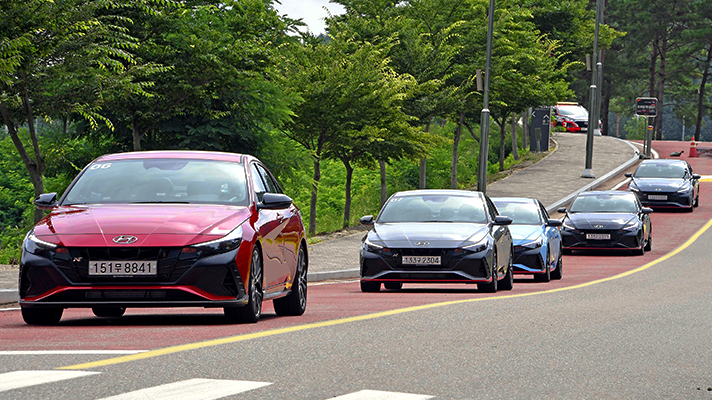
point(63, 56)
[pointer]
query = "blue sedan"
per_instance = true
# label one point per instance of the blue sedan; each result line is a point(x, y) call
point(536, 237)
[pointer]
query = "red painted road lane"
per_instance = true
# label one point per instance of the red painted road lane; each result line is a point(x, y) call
point(145, 329)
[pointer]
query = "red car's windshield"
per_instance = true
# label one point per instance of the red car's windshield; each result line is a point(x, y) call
point(161, 181)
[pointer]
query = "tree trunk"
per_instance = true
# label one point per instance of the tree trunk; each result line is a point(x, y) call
point(474, 135)
point(422, 183)
point(455, 144)
point(525, 129)
point(661, 90)
point(701, 94)
point(501, 142)
point(136, 133)
point(347, 205)
point(384, 188)
point(35, 167)
point(315, 190)
point(515, 142)
point(605, 104)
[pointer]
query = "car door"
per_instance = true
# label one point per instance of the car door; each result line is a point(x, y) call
point(269, 228)
point(694, 182)
point(645, 219)
point(552, 234)
point(502, 238)
point(290, 229)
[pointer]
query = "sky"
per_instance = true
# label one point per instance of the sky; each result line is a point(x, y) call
point(310, 11)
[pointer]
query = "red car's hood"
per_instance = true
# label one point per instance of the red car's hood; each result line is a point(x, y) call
point(151, 224)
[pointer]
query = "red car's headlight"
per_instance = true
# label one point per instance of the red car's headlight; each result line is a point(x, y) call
point(229, 242)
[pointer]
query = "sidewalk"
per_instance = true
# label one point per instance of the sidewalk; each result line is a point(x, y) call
point(553, 180)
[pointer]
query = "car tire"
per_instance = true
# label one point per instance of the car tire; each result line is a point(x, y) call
point(508, 281)
point(295, 303)
point(41, 316)
point(108, 312)
point(649, 244)
point(697, 200)
point(370, 287)
point(393, 285)
point(490, 287)
point(557, 273)
point(250, 312)
point(546, 275)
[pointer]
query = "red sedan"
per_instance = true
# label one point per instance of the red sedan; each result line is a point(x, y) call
point(166, 229)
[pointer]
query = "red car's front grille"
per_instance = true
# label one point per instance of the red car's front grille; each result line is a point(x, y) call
point(172, 264)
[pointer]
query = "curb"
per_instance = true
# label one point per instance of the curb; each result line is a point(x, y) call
point(599, 181)
point(355, 273)
point(325, 276)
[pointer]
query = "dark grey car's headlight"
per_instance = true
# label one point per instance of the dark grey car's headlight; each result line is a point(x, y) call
point(631, 226)
point(482, 245)
point(568, 225)
point(684, 189)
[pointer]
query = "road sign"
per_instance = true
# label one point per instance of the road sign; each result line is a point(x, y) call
point(540, 129)
point(646, 106)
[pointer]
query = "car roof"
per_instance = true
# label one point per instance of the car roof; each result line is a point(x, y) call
point(664, 161)
point(440, 192)
point(177, 154)
point(514, 199)
point(605, 192)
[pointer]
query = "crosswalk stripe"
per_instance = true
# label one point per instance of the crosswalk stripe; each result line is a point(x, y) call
point(379, 395)
point(193, 389)
point(20, 379)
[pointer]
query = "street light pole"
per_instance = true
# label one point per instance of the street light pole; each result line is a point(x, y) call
point(594, 91)
point(485, 116)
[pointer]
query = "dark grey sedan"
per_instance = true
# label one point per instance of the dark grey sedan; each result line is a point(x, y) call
point(665, 184)
point(437, 236)
point(606, 220)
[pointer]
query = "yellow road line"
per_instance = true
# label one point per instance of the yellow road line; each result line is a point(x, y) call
point(297, 328)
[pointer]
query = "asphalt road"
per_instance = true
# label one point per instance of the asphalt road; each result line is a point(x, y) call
point(616, 326)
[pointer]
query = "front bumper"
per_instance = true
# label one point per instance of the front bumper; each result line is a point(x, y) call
point(528, 261)
point(212, 281)
point(620, 240)
point(455, 268)
point(674, 199)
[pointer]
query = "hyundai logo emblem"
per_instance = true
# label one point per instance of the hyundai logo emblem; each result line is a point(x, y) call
point(422, 243)
point(125, 239)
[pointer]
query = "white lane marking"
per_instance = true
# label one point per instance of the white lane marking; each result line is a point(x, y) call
point(618, 186)
point(193, 389)
point(652, 151)
point(378, 395)
point(66, 352)
point(20, 379)
point(8, 290)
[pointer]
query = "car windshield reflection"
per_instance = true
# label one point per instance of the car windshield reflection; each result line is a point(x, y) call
point(604, 204)
point(433, 208)
point(177, 181)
